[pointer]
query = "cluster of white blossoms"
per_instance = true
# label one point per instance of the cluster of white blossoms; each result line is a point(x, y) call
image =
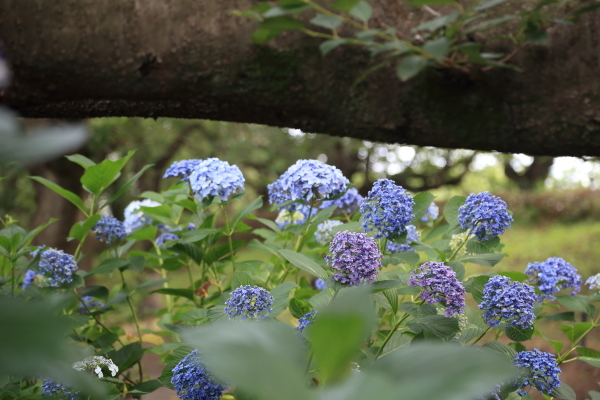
point(458, 240)
point(96, 363)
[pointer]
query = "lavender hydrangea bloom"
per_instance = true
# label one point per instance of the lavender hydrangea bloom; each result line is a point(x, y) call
point(412, 236)
point(57, 268)
point(182, 168)
point(348, 203)
point(433, 212)
point(593, 281)
point(319, 284)
point(508, 302)
point(30, 278)
point(213, 177)
point(165, 237)
point(387, 209)
point(90, 304)
point(192, 380)
point(307, 179)
point(323, 235)
point(441, 286)
point(306, 320)
point(134, 217)
point(538, 369)
point(109, 229)
point(553, 275)
point(248, 302)
point(58, 390)
point(355, 258)
point(484, 215)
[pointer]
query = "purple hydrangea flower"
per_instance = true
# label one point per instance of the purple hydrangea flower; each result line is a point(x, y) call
point(30, 278)
point(213, 177)
point(182, 168)
point(433, 212)
point(134, 217)
point(348, 203)
point(484, 215)
point(412, 236)
point(90, 304)
point(307, 179)
point(355, 258)
point(248, 302)
point(508, 302)
point(593, 281)
point(323, 234)
point(109, 229)
point(553, 275)
point(387, 209)
point(192, 380)
point(319, 284)
point(538, 369)
point(306, 320)
point(163, 238)
point(440, 286)
point(57, 268)
point(58, 390)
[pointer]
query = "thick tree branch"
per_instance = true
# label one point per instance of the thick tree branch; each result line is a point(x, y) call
point(192, 59)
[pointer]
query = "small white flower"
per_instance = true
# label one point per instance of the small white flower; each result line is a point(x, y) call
point(96, 363)
point(98, 372)
point(113, 369)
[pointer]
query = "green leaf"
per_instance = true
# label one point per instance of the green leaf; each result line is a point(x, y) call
point(422, 202)
point(99, 292)
point(241, 279)
point(362, 11)
point(474, 246)
point(280, 24)
point(488, 4)
point(262, 36)
point(577, 303)
point(81, 160)
point(595, 361)
point(299, 308)
point(327, 22)
point(451, 209)
point(410, 66)
point(197, 235)
point(437, 48)
point(563, 316)
point(585, 352)
point(72, 197)
point(350, 227)
point(245, 211)
point(171, 362)
point(127, 355)
point(501, 348)
point(475, 286)
point(293, 7)
point(438, 23)
point(187, 293)
point(98, 177)
point(194, 316)
point(281, 294)
point(418, 311)
point(28, 237)
point(146, 387)
point(79, 230)
point(519, 334)
point(320, 300)
point(443, 327)
point(387, 286)
point(345, 5)
point(487, 260)
point(127, 184)
point(108, 266)
point(458, 268)
point(564, 391)
point(419, 3)
point(304, 263)
point(515, 276)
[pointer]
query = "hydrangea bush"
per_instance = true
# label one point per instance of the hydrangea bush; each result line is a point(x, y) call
point(372, 277)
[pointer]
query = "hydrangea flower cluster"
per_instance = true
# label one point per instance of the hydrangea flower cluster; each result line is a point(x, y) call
point(412, 236)
point(57, 268)
point(463, 320)
point(182, 168)
point(307, 179)
point(58, 390)
point(213, 177)
point(306, 320)
point(320, 284)
point(96, 363)
point(109, 229)
point(440, 286)
point(458, 242)
point(553, 275)
point(484, 215)
point(387, 209)
point(164, 237)
point(348, 203)
point(248, 302)
point(433, 212)
point(508, 302)
point(90, 304)
point(31, 277)
point(538, 369)
point(355, 258)
point(192, 381)
point(323, 235)
point(593, 282)
point(134, 218)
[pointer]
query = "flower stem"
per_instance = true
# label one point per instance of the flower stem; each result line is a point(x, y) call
point(229, 233)
point(389, 336)
point(480, 336)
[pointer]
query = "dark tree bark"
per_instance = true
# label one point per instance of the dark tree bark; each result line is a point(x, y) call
point(192, 59)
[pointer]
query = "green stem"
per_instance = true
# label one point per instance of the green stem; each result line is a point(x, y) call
point(306, 226)
point(389, 336)
point(163, 274)
point(93, 316)
point(229, 233)
point(189, 269)
point(135, 321)
point(560, 359)
point(480, 336)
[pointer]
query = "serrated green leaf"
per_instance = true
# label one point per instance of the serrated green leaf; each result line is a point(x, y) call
point(443, 327)
point(245, 211)
point(241, 279)
point(477, 286)
point(563, 316)
point(487, 260)
point(79, 230)
point(519, 334)
point(299, 308)
point(564, 391)
point(451, 209)
point(100, 176)
point(422, 202)
point(304, 263)
point(281, 294)
point(501, 348)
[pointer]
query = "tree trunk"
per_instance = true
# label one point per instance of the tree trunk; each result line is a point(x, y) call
point(193, 59)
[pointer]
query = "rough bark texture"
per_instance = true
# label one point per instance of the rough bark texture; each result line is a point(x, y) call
point(191, 59)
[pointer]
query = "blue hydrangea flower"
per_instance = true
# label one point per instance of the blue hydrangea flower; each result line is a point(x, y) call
point(55, 389)
point(192, 380)
point(109, 229)
point(348, 203)
point(538, 369)
point(248, 302)
point(484, 215)
point(307, 179)
point(30, 278)
point(593, 281)
point(213, 177)
point(305, 321)
point(57, 268)
point(355, 258)
point(295, 215)
point(182, 168)
point(553, 275)
point(508, 302)
point(387, 209)
point(90, 304)
point(134, 217)
point(165, 237)
point(433, 212)
point(440, 286)
point(323, 234)
point(413, 236)
point(319, 284)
